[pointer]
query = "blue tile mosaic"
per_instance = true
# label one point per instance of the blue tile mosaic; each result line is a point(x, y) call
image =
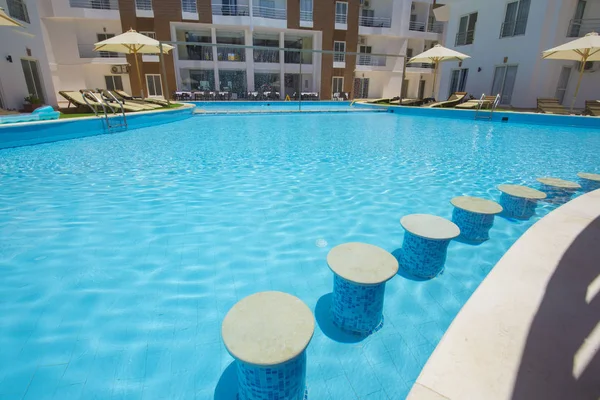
point(286, 381)
point(556, 195)
point(517, 207)
point(357, 308)
point(474, 227)
point(422, 257)
point(587, 185)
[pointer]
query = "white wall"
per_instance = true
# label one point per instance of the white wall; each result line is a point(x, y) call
point(546, 28)
point(15, 42)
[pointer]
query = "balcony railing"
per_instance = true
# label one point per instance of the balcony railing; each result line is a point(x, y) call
point(341, 18)
point(374, 61)
point(513, 28)
point(581, 27)
point(464, 38)
point(421, 65)
point(266, 56)
point(189, 6)
point(231, 54)
point(196, 53)
point(95, 4)
point(416, 26)
point(435, 27)
point(375, 22)
point(339, 57)
point(145, 5)
point(87, 51)
point(233, 10)
point(306, 16)
point(269, 12)
point(18, 10)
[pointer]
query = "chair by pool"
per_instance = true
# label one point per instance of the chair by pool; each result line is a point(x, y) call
point(425, 244)
point(360, 273)
point(519, 201)
point(267, 333)
point(474, 216)
point(558, 190)
point(453, 100)
point(551, 106)
point(589, 181)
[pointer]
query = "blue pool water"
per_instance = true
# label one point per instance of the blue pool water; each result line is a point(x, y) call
point(121, 254)
point(269, 106)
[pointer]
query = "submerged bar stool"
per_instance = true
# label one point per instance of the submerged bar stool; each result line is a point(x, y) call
point(360, 273)
point(519, 201)
point(474, 216)
point(558, 190)
point(267, 333)
point(589, 181)
point(425, 244)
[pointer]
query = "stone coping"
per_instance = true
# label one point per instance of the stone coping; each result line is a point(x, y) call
point(362, 263)
point(589, 176)
point(523, 192)
point(267, 328)
point(559, 183)
point(430, 227)
point(476, 205)
point(481, 353)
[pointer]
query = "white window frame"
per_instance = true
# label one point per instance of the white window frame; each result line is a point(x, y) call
point(341, 18)
point(113, 81)
point(341, 57)
point(515, 21)
point(154, 82)
point(464, 42)
point(333, 79)
point(185, 6)
point(306, 13)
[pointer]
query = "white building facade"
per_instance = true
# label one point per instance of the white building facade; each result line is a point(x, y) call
point(506, 38)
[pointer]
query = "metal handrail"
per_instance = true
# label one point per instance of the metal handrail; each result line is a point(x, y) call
point(435, 27)
point(465, 38)
point(416, 26)
point(231, 10)
point(375, 22)
point(269, 12)
point(189, 6)
point(112, 96)
point(513, 28)
point(306, 16)
point(341, 18)
point(579, 27)
point(374, 61)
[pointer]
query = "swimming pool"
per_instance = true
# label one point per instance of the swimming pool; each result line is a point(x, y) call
point(270, 106)
point(121, 254)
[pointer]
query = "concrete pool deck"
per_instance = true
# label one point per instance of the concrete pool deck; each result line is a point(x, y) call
point(531, 330)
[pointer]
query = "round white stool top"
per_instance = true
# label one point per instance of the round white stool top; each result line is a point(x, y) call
point(559, 183)
point(476, 205)
point(430, 226)
point(589, 177)
point(267, 328)
point(362, 263)
point(523, 192)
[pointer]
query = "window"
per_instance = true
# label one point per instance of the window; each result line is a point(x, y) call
point(143, 5)
point(17, 9)
point(515, 20)
point(113, 82)
point(189, 6)
point(458, 80)
point(504, 82)
point(149, 34)
point(106, 54)
point(341, 47)
point(154, 85)
point(32, 78)
point(306, 10)
point(577, 21)
point(466, 30)
point(341, 12)
point(337, 85)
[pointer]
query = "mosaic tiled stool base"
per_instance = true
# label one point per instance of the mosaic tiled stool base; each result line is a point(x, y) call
point(284, 381)
point(589, 182)
point(558, 191)
point(474, 216)
point(519, 201)
point(425, 244)
point(267, 333)
point(360, 272)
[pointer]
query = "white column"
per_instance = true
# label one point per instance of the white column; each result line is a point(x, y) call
point(213, 33)
point(282, 65)
point(427, 17)
point(248, 40)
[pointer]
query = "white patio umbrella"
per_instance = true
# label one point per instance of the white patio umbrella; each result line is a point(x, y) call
point(583, 50)
point(132, 42)
point(436, 55)
point(5, 20)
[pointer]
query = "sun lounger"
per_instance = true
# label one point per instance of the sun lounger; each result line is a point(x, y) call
point(453, 100)
point(474, 103)
point(592, 107)
point(551, 106)
point(152, 100)
point(134, 103)
point(76, 98)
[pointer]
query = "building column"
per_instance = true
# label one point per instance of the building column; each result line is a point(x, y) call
point(213, 33)
point(282, 65)
point(248, 40)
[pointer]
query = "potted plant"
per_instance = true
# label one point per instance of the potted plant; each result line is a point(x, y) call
point(31, 103)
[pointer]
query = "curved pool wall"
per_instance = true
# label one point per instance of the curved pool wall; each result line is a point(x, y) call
point(25, 134)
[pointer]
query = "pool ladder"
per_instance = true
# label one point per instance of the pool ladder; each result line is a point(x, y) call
point(491, 114)
point(98, 97)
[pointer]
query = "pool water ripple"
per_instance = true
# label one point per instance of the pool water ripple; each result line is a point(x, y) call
point(121, 254)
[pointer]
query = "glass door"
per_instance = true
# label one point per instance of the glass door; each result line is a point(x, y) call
point(504, 82)
point(563, 81)
point(421, 89)
point(154, 84)
point(32, 79)
point(577, 19)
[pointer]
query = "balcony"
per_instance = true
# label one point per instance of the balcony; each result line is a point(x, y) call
point(432, 27)
point(581, 27)
point(195, 52)
point(372, 61)
point(234, 54)
point(86, 51)
point(269, 12)
point(306, 19)
point(231, 10)
point(143, 9)
point(435, 27)
point(464, 38)
point(95, 4)
point(266, 56)
point(375, 22)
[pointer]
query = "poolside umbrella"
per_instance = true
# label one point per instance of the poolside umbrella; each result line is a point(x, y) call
point(583, 50)
point(5, 20)
point(132, 42)
point(436, 55)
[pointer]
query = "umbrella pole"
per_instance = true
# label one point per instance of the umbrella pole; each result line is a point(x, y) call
point(434, 79)
point(137, 67)
point(584, 60)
